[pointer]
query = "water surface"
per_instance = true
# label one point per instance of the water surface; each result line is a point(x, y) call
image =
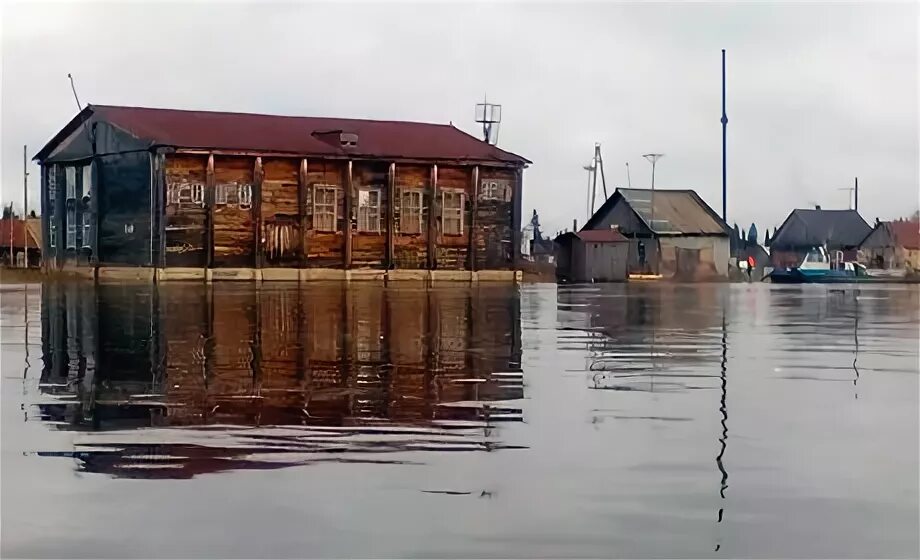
point(642, 420)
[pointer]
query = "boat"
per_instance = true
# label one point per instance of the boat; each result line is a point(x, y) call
point(817, 268)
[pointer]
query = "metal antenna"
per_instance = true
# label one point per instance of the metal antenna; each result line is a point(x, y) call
point(489, 114)
point(653, 159)
point(628, 180)
point(724, 134)
point(589, 202)
point(79, 107)
point(599, 162)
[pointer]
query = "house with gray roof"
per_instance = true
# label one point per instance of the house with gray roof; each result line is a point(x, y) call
point(805, 229)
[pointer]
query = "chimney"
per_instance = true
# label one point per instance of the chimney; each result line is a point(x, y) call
point(348, 140)
point(817, 206)
point(575, 225)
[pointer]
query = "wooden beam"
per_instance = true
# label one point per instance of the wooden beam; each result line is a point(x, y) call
point(432, 218)
point(391, 215)
point(474, 198)
point(516, 219)
point(303, 183)
point(209, 205)
point(256, 210)
point(349, 197)
point(160, 183)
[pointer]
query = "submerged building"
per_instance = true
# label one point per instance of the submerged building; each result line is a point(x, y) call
point(195, 194)
point(805, 229)
point(673, 233)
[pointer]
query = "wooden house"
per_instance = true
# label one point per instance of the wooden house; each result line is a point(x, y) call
point(805, 229)
point(673, 233)
point(195, 194)
point(892, 245)
point(594, 255)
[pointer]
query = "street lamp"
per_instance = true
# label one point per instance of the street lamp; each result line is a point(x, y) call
point(653, 158)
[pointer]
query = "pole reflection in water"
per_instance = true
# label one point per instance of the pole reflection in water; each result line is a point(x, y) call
point(179, 380)
point(723, 410)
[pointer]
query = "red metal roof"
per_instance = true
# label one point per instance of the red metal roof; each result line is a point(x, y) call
point(601, 236)
point(906, 233)
point(297, 135)
point(19, 229)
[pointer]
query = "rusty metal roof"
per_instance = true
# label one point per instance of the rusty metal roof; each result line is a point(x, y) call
point(675, 212)
point(609, 235)
point(19, 229)
point(309, 136)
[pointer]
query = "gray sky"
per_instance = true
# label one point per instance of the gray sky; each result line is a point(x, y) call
point(817, 94)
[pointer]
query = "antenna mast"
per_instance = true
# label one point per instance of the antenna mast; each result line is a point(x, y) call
point(628, 180)
point(724, 128)
point(72, 87)
point(489, 114)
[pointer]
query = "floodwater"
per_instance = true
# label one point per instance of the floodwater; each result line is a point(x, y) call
point(642, 420)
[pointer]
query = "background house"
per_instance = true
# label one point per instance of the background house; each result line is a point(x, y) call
point(804, 229)
point(894, 244)
point(671, 232)
point(15, 235)
point(599, 255)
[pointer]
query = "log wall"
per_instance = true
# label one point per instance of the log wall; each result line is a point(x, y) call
point(186, 222)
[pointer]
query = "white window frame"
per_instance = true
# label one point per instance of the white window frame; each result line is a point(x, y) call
point(494, 189)
point(412, 212)
point(87, 228)
point(87, 171)
point(197, 193)
point(455, 213)
point(222, 194)
point(369, 214)
point(324, 206)
point(71, 219)
point(52, 235)
point(244, 196)
point(52, 188)
point(70, 181)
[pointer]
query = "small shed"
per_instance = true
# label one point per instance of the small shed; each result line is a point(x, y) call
point(893, 245)
point(599, 255)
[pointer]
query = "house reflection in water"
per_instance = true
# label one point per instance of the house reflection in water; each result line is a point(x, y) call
point(240, 376)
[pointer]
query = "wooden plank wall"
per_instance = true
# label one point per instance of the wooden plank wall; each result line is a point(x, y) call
point(281, 237)
point(325, 249)
point(186, 223)
point(410, 250)
point(368, 250)
point(452, 249)
point(234, 243)
point(493, 236)
point(288, 237)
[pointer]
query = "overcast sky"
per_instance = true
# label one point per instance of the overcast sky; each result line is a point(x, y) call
point(817, 94)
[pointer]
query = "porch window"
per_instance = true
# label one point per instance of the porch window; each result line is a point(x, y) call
point(369, 211)
point(410, 214)
point(222, 193)
point(70, 180)
point(71, 228)
point(452, 212)
point(198, 194)
point(52, 188)
point(325, 209)
point(86, 229)
point(52, 236)
point(87, 181)
point(244, 195)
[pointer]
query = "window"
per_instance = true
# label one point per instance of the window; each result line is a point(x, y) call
point(492, 189)
point(52, 236)
point(87, 180)
point(222, 193)
point(86, 229)
point(244, 194)
point(70, 180)
point(452, 212)
point(325, 209)
point(52, 189)
point(71, 228)
point(369, 210)
point(410, 215)
point(197, 194)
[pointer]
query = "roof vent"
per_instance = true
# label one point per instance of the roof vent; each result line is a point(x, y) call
point(817, 206)
point(348, 140)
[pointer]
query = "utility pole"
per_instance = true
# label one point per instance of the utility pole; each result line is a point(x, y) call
point(628, 180)
point(724, 129)
point(856, 193)
point(653, 159)
point(25, 205)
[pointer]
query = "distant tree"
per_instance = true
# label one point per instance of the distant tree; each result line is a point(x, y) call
point(8, 212)
point(752, 235)
point(766, 238)
point(737, 231)
point(32, 214)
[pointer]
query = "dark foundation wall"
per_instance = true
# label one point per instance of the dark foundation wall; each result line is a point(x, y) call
point(124, 209)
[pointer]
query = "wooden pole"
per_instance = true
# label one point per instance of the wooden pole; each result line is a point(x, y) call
point(474, 199)
point(391, 216)
point(349, 199)
point(432, 219)
point(516, 203)
point(256, 209)
point(302, 186)
point(209, 203)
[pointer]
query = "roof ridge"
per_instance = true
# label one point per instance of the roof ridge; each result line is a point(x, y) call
point(275, 115)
